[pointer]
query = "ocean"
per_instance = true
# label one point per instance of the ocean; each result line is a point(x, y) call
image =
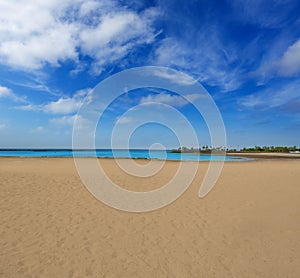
point(107, 153)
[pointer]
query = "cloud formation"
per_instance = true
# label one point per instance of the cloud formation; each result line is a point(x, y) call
point(34, 34)
point(5, 92)
point(172, 100)
point(175, 78)
point(64, 105)
point(287, 96)
point(124, 120)
point(9, 94)
point(289, 64)
point(211, 65)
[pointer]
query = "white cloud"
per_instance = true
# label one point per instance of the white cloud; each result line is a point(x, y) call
point(175, 77)
point(2, 126)
point(88, 6)
point(8, 93)
point(64, 105)
point(172, 100)
point(110, 28)
point(289, 64)
point(264, 13)
point(51, 47)
point(38, 129)
point(82, 123)
point(5, 92)
point(34, 34)
point(209, 62)
point(61, 106)
point(116, 35)
point(65, 120)
point(281, 62)
point(271, 98)
point(193, 97)
point(38, 87)
point(124, 120)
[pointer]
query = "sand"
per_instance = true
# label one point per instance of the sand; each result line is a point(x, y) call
point(247, 226)
point(267, 155)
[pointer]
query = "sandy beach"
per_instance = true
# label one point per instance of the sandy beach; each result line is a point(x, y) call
point(267, 155)
point(247, 226)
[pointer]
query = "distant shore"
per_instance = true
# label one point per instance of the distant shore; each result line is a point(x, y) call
point(266, 155)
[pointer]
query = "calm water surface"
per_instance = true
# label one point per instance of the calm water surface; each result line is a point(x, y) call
point(154, 154)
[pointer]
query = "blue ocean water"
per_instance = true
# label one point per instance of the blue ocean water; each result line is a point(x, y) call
point(101, 153)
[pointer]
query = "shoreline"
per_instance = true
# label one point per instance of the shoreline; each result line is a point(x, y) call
point(266, 155)
point(237, 157)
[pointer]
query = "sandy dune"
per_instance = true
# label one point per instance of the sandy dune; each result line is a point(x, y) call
point(247, 226)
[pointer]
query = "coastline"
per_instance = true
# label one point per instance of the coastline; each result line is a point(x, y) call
point(109, 154)
point(144, 154)
point(266, 155)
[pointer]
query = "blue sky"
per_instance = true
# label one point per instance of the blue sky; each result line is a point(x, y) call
point(245, 53)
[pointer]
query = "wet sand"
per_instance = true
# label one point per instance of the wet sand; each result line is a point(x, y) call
point(267, 155)
point(247, 226)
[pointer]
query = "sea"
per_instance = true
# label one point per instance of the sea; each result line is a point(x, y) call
point(108, 153)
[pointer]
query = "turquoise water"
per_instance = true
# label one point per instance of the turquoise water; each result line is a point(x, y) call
point(154, 154)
